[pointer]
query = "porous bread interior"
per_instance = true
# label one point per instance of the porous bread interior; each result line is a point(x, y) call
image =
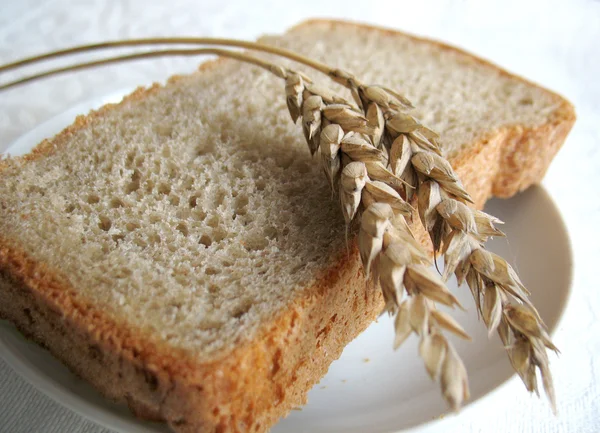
point(196, 212)
point(192, 223)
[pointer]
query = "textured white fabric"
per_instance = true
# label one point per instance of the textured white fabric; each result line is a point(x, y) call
point(554, 43)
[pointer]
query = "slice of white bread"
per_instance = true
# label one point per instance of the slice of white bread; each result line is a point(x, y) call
point(182, 251)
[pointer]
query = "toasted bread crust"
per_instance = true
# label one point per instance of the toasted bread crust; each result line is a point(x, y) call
point(291, 352)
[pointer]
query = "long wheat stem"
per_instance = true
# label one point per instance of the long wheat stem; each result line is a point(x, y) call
point(255, 46)
point(336, 74)
point(277, 70)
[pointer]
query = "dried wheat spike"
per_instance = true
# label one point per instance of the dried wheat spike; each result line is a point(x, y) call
point(458, 232)
point(353, 155)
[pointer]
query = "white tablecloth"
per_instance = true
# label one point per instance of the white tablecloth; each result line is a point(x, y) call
point(555, 43)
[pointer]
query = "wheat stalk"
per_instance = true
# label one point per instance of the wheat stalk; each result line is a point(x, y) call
point(379, 157)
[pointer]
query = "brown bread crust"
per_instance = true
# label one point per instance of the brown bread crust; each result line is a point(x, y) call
point(260, 381)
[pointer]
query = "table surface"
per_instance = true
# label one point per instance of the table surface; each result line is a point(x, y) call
point(554, 43)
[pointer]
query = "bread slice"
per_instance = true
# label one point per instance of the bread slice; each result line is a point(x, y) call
point(182, 251)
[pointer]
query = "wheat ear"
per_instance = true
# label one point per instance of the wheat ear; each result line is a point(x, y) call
point(459, 233)
point(348, 139)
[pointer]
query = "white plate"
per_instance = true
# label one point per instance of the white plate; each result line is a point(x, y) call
point(370, 388)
